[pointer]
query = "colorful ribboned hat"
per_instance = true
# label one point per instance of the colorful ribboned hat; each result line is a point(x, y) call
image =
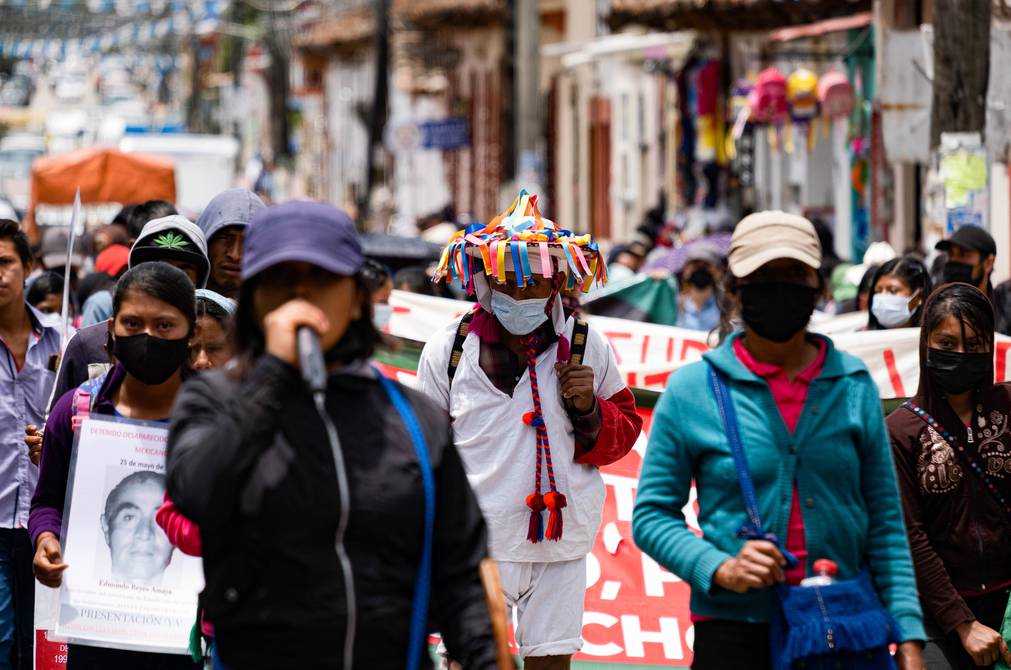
point(520, 240)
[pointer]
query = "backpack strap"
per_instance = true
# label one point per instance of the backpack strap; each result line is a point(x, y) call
point(418, 640)
point(461, 336)
point(84, 400)
point(578, 347)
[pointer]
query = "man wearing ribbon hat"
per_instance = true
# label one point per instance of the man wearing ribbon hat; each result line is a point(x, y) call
point(538, 405)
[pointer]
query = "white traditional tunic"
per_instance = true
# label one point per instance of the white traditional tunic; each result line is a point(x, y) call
point(499, 451)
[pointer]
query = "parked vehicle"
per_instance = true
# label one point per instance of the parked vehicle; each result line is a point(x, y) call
point(204, 164)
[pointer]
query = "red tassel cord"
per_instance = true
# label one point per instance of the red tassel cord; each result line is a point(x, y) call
point(553, 501)
point(535, 530)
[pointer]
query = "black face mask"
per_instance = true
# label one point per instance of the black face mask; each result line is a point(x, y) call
point(776, 310)
point(356, 343)
point(150, 359)
point(955, 271)
point(957, 372)
point(701, 278)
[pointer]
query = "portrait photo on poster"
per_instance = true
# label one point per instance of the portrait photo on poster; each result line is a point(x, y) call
point(132, 547)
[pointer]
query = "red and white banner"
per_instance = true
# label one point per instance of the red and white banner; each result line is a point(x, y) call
point(647, 354)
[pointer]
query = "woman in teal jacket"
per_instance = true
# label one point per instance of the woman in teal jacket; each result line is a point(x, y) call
point(812, 428)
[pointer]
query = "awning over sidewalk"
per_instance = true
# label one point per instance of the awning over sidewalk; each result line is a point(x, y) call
point(729, 15)
point(424, 13)
point(348, 28)
point(357, 26)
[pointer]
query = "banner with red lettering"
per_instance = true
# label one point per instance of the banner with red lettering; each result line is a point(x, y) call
point(647, 354)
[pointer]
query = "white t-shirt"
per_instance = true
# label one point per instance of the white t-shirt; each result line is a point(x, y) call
point(499, 451)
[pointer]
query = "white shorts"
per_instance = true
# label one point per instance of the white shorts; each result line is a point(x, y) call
point(547, 599)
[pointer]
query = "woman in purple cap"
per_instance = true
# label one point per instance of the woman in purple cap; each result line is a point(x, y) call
point(338, 526)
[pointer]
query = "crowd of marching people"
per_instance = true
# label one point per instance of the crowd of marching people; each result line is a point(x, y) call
point(329, 503)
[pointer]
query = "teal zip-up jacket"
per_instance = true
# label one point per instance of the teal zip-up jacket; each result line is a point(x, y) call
point(839, 457)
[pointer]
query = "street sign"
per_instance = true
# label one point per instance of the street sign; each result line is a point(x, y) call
point(451, 133)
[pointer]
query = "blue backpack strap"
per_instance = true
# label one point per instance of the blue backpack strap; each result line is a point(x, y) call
point(423, 583)
point(728, 416)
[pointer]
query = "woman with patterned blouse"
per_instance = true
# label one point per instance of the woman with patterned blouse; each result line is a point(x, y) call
point(952, 449)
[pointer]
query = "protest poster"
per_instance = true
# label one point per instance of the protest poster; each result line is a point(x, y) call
point(127, 587)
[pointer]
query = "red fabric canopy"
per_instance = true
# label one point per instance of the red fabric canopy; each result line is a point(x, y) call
point(103, 175)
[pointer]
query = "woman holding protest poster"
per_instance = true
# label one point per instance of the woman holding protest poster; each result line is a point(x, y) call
point(952, 446)
point(336, 520)
point(784, 438)
point(149, 334)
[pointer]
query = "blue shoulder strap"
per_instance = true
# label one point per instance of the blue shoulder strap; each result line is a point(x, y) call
point(752, 530)
point(423, 582)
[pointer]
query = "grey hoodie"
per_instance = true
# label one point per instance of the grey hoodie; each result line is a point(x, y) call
point(234, 207)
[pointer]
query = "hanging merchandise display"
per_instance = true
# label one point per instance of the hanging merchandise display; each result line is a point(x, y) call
point(737, 114)
point(835, 98)
point(740, 146)
point(802, 96)
point(860, 155)
point(687, 182)
point(707, 85)
point(768, 104)
point(835, 94)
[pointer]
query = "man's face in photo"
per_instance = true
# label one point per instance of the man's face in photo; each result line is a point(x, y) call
point(139, 549)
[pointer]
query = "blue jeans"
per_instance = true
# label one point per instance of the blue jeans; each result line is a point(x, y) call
point(17, 599)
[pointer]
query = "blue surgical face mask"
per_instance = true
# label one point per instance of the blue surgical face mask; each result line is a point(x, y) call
point(891, 311)
point(381, 313)
point(519, 317)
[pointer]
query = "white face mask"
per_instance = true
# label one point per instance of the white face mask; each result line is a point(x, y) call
point(381, 313)
point(891, 311)
point(519, 317)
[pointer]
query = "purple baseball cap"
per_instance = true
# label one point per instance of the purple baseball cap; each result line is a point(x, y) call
point(312, 232)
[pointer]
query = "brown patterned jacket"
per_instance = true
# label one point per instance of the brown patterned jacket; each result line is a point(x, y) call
point(959, 534)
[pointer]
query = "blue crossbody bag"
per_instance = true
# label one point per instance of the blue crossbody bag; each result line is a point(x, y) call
point(842, 625)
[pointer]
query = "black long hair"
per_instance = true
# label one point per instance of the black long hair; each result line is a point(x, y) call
point(973, 310)
point(359, 342)
point(45, 284)
point(913, 272)
point(158, 280)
